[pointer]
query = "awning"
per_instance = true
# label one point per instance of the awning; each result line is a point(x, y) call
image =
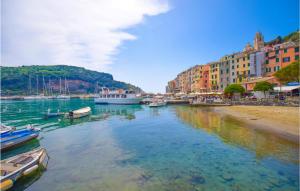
point(286, 88)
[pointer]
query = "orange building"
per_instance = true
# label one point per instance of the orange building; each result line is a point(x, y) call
point(280, 56)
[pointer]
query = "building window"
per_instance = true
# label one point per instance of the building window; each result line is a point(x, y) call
point(248, 64)
point(227, 71)
point(244, 59)
point(248, 71)
point(232, 67)
point(277, 59)
point(297, 57)
point(221, 71)
point(286, 59)
point(237, 60)
point(222, 86)
point(244, 72)
point(233, 80)
point(267, 61)
point(237, 73)
point(244, 65)
point(296, 49)
point(232, 61)
point(267, 54)
point(274, 68)
point(277, 52)
point(285, 50)
point(237, 66)
point(278, 68)
point(233, 73)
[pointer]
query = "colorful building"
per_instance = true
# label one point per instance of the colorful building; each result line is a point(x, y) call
point(280, 56)
point(246, 67)
point(214, 75)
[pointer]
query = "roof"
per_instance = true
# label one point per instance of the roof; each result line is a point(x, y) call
point(286, 88)
point(259, 80)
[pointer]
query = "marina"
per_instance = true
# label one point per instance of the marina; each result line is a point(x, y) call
point(135, 147)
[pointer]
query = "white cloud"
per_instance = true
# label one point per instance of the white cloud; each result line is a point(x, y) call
point(83, 33)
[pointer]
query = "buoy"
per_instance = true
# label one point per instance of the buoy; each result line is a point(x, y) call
point(30, 170)
point(5, 185)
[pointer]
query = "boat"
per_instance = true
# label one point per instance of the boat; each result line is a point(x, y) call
point(74, 114)
point(5, 129)
point(157, 104)
point(63, 97)
point(14, 138)
point(63, 93)
point(21, 165)
point(121, 97)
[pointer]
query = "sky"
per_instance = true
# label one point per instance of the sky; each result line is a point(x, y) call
point(143, 42)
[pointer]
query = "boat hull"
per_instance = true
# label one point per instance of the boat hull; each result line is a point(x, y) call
point(118, 101)
point(78, 113)
point(38, 158)
point(13, 139)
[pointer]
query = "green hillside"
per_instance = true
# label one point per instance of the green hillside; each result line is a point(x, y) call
point(26, 80)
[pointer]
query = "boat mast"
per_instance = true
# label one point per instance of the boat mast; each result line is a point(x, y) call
point(37, 85)
point(43, 85)
point(29, 84)
point(65, 92)
point(60, 86)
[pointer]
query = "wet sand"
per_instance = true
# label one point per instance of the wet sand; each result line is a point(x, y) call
point(281, 120)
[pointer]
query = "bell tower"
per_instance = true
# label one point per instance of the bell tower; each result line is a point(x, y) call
point(258, 41)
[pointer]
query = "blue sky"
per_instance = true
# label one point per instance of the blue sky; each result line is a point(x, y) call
point(143, 42)
point(196, 32)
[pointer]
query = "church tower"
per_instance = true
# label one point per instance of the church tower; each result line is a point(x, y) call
point(258, 41)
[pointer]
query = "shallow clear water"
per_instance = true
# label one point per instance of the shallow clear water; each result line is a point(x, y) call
point(140, 148)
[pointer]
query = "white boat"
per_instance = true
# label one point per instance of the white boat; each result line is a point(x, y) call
point(78, 113)
point(37, 97)
point(63, 97)
point(21, 165)
point(118, 97)
point(157, 104)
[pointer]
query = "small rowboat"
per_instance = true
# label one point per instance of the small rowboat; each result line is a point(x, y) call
point(157, 104)
point(78, 113)
point(21, 165)
point(15, 138)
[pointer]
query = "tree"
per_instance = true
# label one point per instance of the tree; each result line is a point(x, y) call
point(263, 86)
point(234, 88)
point(289, 73)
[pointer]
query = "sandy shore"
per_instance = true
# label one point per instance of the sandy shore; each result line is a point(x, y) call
point(281, 120)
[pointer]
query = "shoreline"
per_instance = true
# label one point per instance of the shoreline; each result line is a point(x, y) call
point(281, 120)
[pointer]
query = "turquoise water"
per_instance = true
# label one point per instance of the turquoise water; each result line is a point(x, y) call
point(140, 148)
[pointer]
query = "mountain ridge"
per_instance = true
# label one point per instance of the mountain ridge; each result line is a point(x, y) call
point(35, 79)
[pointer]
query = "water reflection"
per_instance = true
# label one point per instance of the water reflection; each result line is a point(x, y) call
point(237, 132)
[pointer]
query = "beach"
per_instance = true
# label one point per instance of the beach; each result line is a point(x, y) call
point(279, 119)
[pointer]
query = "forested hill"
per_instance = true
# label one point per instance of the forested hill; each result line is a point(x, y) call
point(26, 80)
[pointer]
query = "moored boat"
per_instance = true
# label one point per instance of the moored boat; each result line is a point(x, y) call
point(14, 138)
point(21, 165)
point(157, 104)
point(78, 113)
point(120, 97)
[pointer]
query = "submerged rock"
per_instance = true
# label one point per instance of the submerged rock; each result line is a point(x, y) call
point(197, 179)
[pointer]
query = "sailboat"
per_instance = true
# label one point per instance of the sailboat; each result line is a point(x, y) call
point(64, 94)
point(37, 96)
